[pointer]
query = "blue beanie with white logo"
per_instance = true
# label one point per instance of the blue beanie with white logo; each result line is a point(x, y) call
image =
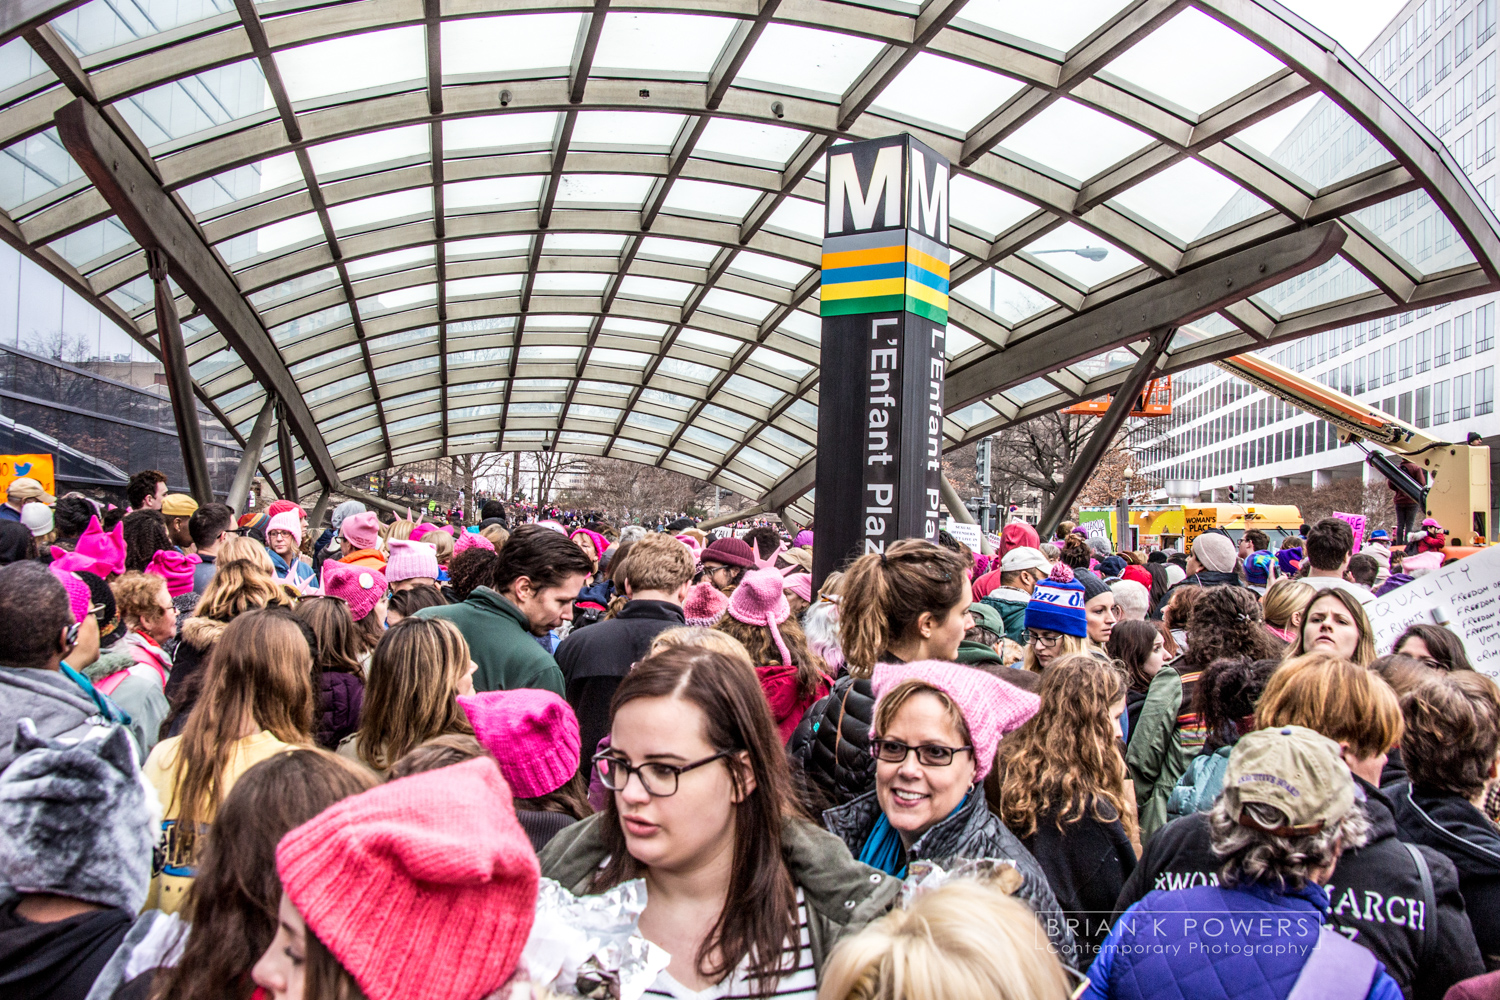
point(1057, 604)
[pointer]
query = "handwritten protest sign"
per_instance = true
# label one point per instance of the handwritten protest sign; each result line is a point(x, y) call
point(1356, 523)
point(969, 534)
point(1196, 521)
point(1464, 596)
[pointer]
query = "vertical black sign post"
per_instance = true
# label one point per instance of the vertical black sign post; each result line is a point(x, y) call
point(885, 319)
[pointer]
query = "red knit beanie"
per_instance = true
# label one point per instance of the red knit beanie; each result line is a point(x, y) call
point(423, 888)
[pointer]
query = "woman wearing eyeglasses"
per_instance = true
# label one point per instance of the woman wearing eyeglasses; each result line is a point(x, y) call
point(746, 895)
point(909, 603)
point(934, 736)
point(1057, 622)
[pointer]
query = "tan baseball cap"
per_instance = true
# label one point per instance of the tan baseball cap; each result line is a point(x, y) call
point(178, 505)
point(27, 488)
point(1293, 769)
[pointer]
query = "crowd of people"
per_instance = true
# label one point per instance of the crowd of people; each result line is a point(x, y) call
point(256, 756)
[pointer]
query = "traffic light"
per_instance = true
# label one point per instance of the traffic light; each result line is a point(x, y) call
point(1249, 492)
point(1234, 494)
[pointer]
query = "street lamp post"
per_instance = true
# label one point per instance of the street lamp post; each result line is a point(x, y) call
point(1122, 512)
point(1094, 254)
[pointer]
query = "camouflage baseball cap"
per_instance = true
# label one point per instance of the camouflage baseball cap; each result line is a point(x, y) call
point(1292, 769)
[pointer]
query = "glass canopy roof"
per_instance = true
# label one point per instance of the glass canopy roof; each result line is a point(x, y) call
point(470, 225)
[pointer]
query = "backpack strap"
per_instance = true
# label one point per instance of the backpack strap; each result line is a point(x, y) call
point(1429, 907)
point(1336, 969)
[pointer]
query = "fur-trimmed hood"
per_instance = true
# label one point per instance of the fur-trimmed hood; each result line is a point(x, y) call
point(201, 633)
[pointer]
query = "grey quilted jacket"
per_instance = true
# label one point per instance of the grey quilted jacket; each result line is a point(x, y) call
point(971, 833)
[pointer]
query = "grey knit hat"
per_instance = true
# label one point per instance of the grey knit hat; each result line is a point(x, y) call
point(343, 510)
point(1092, 585)
point(77, 819)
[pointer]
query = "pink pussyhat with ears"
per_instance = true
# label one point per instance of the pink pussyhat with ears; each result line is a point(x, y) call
point(760, 599)
point(106, 550)
point(466, 540)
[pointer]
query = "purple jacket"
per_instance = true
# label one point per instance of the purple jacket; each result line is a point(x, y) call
point(340, 698)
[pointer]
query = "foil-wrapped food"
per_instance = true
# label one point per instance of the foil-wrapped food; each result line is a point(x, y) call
point(591, 946)
point(927, 876)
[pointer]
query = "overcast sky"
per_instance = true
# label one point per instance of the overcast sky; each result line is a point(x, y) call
point(1352, 23)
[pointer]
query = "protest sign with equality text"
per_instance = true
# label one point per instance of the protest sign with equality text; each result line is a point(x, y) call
point(1464, 596)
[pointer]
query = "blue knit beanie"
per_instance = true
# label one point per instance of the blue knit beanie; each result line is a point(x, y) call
point(1057, 604)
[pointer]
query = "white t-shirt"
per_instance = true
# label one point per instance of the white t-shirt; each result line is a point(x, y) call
point(800, 982)
point(1364, 594)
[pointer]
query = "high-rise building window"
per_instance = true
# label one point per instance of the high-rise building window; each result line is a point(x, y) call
point(1424, 76)
point(1424, 20)
point(1406, 87)
point(1484, 327)
point(1424, 406)
point(1484, 21)
point(1403, 407)
point(1461, 387)
point(1406, 357)
point(1484, 82)
point(1442, 58)
point(1346, 378)
point(1440, 402)
point(1462, 334)
point(1424, 350)
point(1359, 376)
point(1442, 112)
point(1484, 141)
point(1463, 42)
point(1440, 344)
point(1444, 9)
point(1390, 364)
point(1484, 391)
point(1463, 98)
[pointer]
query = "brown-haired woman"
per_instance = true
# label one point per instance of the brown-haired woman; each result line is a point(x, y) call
point(418, 671)
point(1334, 621)
point(1432, 645)
point(702, 809)
point(908, 603)
point(257, 701)
point(243, 580)
point(338, 678)
point(1059, 784)
point(1225, 622)
point(791, 675)
point(1140, 648)
point(232, 903)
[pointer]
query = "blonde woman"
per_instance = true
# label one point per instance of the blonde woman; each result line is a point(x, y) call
point(1282, 606)
point(965, 941)
point(257, 702)
point(244, 580)
point(418, 671)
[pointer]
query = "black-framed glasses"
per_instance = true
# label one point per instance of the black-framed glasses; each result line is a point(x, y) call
point(1048, 639)
point(930, 754)
point(658, 779)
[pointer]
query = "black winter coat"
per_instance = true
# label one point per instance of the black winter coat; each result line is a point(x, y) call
point(971, 833)
point(340, 698)
point(832, 742)
point(59, 960)
point(1375, 896)
point(595, 660)
point(1087, 863)
point(1452, 825)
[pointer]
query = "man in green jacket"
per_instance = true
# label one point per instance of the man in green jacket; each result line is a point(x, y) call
point(538, 575)
point(1021, 569)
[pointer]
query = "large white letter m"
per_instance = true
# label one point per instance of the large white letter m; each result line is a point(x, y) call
point(929, 212)
point(843, 186)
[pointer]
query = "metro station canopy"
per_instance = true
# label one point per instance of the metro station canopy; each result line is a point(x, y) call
point(434, 227)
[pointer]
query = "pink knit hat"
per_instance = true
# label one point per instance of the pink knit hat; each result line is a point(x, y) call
point(531, 732)
point(695, 546)
point(760, 599)
point(991, 708)
point(705, 605)
point(799, 584)
point(107, 551)
point(362, 530)
point(287, 521)
point(78, 592)
point(278, 507)
point(601, 544)
point(422, 887)
point(411, 561)
point(358, 587)
point(471, 540)
point(422, 529)
point(177, 569)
